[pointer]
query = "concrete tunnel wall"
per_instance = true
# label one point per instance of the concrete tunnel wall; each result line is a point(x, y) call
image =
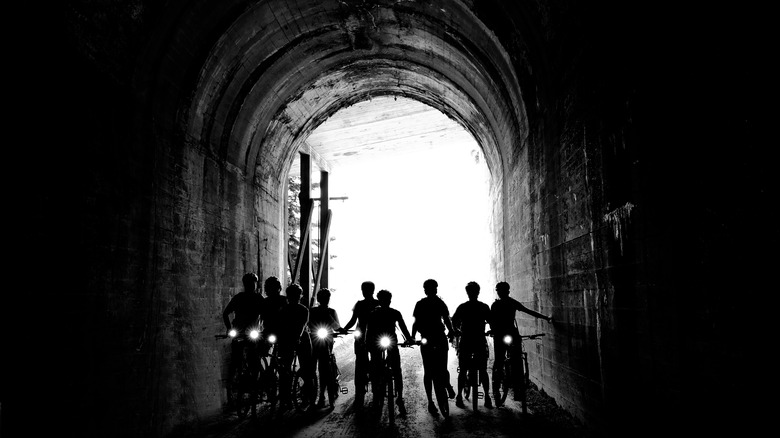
point(164, 171)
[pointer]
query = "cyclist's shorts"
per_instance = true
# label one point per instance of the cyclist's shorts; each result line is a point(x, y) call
point(480, 352)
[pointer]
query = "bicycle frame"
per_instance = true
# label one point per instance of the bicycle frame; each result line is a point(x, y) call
point(386, 380)
point(322, 336)
point(473, 379)
point(269, 374)
point(242, 385)
point(515, 361)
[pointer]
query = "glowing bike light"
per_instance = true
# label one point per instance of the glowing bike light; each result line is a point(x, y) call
point(272, 339)
point(254, 334)
point(384, 342)
point(322, 333)
point(507, 339)
point(357, 334)
point(232, 333)
point(424, 341)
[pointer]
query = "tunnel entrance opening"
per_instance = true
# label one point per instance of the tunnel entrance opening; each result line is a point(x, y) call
point(411, 190)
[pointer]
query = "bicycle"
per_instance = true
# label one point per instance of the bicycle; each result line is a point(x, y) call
point(385, 379)
point(322, 335)
point(242, 388)
point(472, 377)
point(269, 373)
point(302, 393)
point(503, 378)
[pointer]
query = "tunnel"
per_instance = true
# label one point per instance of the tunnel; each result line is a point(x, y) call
point(627, 190)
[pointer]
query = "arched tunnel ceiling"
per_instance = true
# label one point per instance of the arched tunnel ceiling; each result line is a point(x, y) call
point(279, 71)
point(362, 133)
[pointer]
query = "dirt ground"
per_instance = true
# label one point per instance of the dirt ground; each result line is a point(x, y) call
point(545, 417)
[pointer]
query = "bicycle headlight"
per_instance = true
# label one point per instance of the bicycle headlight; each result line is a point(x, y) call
point(272, 339)
point(232, 333)
point(424, 341)
point(384, 342)
point(508, 340)
point(254, 334)
point(357, 334)
point(322, 333)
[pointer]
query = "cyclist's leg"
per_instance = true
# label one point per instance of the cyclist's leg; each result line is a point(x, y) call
point(441, 380)
point(376, 374)
point(307, 368)
point(518, 370)
point(236, 356)
point(319, 364)
point(286, 356)
point(483, 375)
point(427, 359)
point(499, 351)
point(361, 370)
point(395, 362)
point(462, 373)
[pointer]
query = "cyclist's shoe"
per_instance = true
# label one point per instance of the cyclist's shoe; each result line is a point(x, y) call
point(321, 402)
point(432, 408)
point(488, 401)
point(459, 402)
point(401, 407)
point(450, 392)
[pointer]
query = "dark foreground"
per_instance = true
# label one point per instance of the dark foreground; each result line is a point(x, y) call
point(544, 419)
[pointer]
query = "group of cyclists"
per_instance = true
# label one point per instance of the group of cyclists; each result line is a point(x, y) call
point(296, 328)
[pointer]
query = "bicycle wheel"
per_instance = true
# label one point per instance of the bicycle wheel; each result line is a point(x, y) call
point(300, 392)
point(269, 382)
point(523, 385)
point(242, 391)
point(501, 382)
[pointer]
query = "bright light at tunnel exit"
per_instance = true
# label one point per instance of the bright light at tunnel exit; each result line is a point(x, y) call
point(410, 217)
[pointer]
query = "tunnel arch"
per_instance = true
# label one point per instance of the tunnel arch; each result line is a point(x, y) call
point(266, 67)
point(231, 89)
point(277, 71)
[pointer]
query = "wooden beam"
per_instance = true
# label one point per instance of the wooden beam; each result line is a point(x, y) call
point(324, 251)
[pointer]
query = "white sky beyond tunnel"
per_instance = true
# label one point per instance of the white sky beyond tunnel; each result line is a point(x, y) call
point(413, 213)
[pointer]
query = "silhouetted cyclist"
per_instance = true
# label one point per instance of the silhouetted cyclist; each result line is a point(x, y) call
point(293, 336)
point(246, 306)
point(324, 318)
point(469, 321)
point(431, 315)
point(382, 322)
point(273, 304)
point(503, 323)
point(360, 314)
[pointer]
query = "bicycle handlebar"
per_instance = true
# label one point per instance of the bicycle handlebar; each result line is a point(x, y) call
point(533, 336)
